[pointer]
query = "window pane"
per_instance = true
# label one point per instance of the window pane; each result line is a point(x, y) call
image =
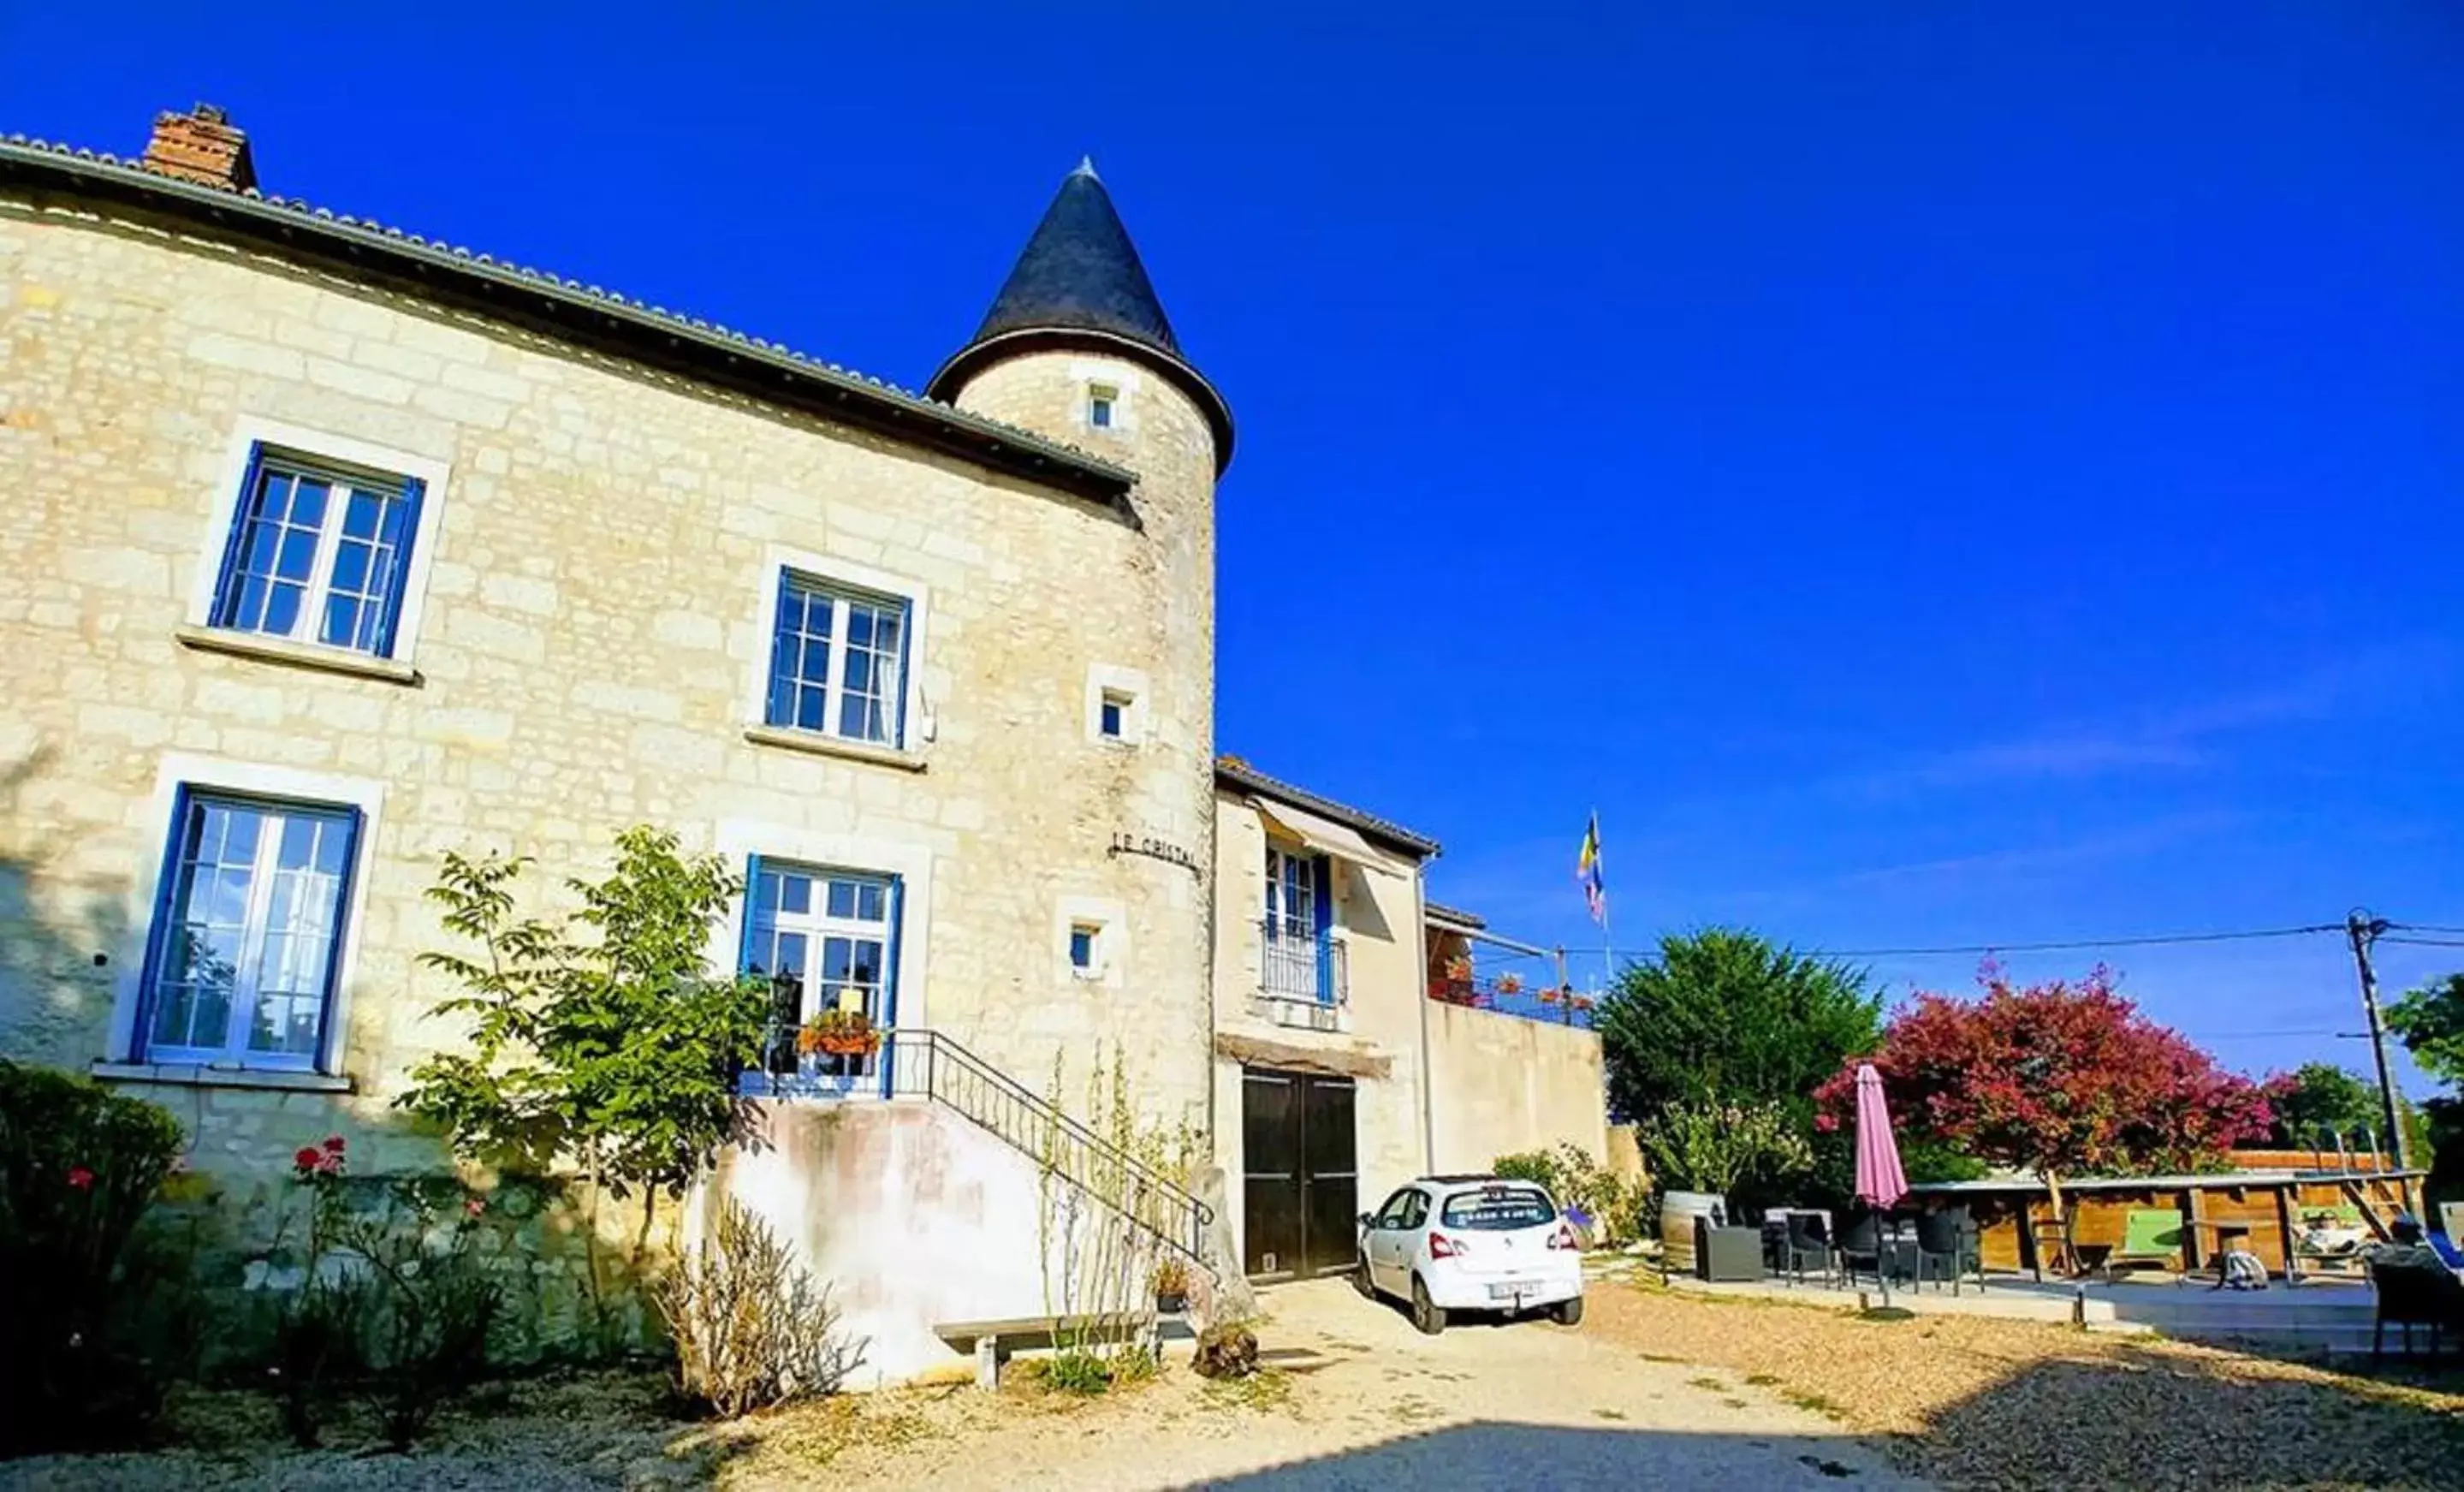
point(868, 898)
point(796, 894)
point(841, 899)
point(800, 657)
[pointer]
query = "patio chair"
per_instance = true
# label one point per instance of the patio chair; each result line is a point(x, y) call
point(1860, 1240)
point(2414, 1295)
point(1946, 1244)
point(1807, 1240)
point(2344, 1255)
point(2149, 1236)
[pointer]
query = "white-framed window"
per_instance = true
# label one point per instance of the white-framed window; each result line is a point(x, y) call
point(321, 541)
point(1103, 400)
point(244, 953)
point(829, 931)
point(1090, 942)
point(840, 659)
point(1116, 705)
point(1087, 950)
point(837, 659)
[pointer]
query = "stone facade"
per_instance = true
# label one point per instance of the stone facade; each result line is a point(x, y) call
point(589, 652)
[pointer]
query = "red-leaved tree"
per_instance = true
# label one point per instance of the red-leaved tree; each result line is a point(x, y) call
point(2055, 1079)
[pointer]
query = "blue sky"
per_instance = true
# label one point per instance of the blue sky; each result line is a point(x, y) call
point(1928, 474)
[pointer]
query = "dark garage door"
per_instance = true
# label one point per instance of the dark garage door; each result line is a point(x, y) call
point(1298, 1157)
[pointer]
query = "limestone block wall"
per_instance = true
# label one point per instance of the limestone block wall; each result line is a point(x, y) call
point(587, 656)
point(1504, 1083)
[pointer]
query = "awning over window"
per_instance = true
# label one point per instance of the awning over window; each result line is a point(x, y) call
point(1323, 835)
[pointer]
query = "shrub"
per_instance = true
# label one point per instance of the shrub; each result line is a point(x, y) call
point(1710, 1148)
point(393, 1300)
point(79, 1165)
point(1610, 1203)
point(751, 1327)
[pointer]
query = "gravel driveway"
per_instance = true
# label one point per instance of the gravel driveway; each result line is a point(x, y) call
point(1352, 1397)
point(1373, 1404)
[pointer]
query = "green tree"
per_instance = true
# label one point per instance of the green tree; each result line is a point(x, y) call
point(2319, 1099)
point(1722, 1018)
point(2431, 1020)
point(602, 1044)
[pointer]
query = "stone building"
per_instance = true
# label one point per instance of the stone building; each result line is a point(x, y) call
point(326, 549)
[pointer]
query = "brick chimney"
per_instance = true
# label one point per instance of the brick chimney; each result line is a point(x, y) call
point(201, 146)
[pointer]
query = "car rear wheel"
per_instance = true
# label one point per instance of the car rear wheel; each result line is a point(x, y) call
point(1570, 1314)
point(1428, 1317)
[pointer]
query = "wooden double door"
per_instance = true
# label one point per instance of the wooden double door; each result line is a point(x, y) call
point(1300, 1182)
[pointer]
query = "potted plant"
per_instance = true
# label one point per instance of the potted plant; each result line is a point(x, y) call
point(1172, 1284)
point(839, 1033)
point(1509, 984)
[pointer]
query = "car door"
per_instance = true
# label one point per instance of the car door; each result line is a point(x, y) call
point(1402, 1238)
point(1385, 1240)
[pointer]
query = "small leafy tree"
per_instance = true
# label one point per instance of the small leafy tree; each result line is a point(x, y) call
point(602, 1042)
point(2319, 1098)
point(2057, 1080)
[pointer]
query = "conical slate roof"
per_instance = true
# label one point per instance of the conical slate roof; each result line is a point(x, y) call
point(1080, 270)
point(1079, 282)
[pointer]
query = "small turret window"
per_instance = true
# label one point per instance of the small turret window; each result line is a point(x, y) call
point(1101, 398)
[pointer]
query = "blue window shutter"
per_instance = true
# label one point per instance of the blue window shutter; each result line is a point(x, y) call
point(158, 930)
point(744, 938)
point(328, 1038)
point(1321, 872)
point(414, 491)
point(890, 980)
point(781, 710)
point(226, 592)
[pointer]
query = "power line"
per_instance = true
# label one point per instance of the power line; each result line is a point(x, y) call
point(2422, 927)
point(2077, 944)
point(2426, 942)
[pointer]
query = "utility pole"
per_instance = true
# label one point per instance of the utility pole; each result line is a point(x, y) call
point(2364, 930)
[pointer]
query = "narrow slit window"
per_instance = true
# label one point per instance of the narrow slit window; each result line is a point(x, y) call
point(1086, 950)
point(1101, 400)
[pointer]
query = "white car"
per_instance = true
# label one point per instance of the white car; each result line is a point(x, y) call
point(1456, 1243)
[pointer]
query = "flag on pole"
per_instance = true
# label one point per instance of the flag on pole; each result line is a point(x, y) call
point(1587, 871)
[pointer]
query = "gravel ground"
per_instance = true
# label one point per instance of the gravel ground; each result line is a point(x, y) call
point(1353, 1398)
point(1971, 1401)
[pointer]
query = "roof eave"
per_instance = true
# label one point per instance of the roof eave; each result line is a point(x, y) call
point(1393, 835)
point(983, 353)
point(570, 312)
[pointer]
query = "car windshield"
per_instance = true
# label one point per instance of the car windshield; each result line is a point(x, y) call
point(1495, 1209)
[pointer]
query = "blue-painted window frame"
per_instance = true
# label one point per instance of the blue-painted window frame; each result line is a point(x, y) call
point(185, 799)
point(894, 911)
point(781, 688)
point(228, 590)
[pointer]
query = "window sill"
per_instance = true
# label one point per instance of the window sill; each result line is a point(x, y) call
point(194, 1075)
point(816, 744)
point(305, 655)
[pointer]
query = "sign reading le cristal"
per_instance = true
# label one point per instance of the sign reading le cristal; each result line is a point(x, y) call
point(1153, 848)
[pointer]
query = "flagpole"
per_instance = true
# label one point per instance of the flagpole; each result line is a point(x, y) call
point(1607, 944)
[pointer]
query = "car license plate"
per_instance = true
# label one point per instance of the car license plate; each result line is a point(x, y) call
point(1506, 1292)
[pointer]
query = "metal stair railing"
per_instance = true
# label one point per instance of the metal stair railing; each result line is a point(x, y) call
point(921, 1063)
